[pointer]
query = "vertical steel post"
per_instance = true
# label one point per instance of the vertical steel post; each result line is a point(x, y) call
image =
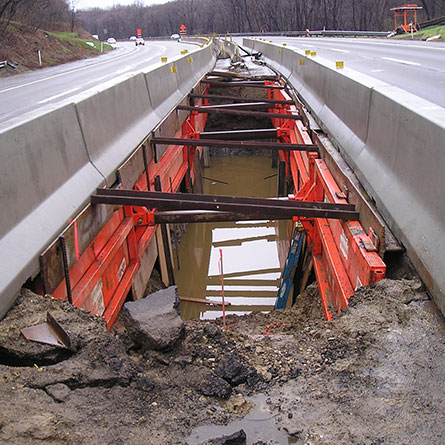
point(282, 178)
point(66, 270)
point(144, 155)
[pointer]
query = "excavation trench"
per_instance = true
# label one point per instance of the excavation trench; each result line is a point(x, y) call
point(372, 375)
point(253, 252)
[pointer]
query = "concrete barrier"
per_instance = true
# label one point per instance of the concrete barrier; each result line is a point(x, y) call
point(185, 73)
point(52, 160)
point(394, 142)
point(114, 121)
point(163, 88)
point(46, 177)
point(406, 142)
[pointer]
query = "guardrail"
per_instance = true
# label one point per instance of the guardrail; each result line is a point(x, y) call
point(320, 33)
point(394, 147)
point(53, 159)
point(432, 22)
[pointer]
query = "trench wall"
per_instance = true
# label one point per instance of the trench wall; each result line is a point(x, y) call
point(392, 139)
point(52, 160)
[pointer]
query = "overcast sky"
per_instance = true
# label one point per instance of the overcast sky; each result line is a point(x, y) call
point(85, 4)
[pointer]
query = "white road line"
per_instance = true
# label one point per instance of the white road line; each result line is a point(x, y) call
point(49, 99)
point(163, 47)
point(376, 71)
point(398, 45)
point(65, 73)
point(339, 50)
point(404, 62)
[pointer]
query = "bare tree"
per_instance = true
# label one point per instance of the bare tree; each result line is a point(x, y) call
point(226, 16)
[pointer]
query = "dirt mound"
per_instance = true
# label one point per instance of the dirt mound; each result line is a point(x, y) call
point(372, 375)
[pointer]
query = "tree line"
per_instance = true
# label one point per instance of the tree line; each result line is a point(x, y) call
point(238, 16)
point(210, 16)
point(35, 14)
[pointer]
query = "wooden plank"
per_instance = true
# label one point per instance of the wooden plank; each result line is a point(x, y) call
point(161, 256)
point(142, 276)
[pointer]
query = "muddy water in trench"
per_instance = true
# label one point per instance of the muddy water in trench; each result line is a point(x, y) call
point(251, 266)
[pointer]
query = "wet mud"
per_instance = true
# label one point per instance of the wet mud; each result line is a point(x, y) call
point(373, 375)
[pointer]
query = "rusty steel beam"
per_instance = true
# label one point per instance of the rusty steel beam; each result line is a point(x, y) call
point(236, 81)
point(240, 135)
point(242, 106)
point(295, 117)
point(215, 83)
point(233, 144)
point(241, 99)
point(253, 210)
point(175, 217)
point(237, 76)
point(276, 202)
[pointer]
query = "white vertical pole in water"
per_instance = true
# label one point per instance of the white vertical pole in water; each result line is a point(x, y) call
point(221, 275)
point(40, 57)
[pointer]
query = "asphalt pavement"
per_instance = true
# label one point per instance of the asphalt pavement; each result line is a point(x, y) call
point(415, 66)
point(29, 91)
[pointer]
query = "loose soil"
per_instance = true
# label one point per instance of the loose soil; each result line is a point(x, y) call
point(374, 375)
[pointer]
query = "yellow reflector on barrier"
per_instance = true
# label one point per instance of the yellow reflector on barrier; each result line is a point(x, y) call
point(313, 53)
point(339, 65)
point(190, 59)
point(164, 59)
point(173, 69)
point(279, 51)
point(300, 62)
point(307, 52)
point(201, 46)
point(284, 44)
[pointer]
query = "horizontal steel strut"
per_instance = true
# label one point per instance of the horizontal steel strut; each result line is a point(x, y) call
point(232, 144)
point(237, 76)
point(257, 105)
point(240, 99)
point(242, 84)
point(295, 117)
point(252, 207)
point(241, 135)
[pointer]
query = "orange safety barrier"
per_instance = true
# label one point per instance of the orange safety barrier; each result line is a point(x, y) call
point(103, 274)
point(344, 256)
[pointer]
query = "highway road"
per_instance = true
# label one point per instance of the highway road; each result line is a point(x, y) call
point(26, 92)
point(415, 66)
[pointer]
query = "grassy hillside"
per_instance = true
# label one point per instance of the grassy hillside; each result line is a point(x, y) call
point(20, 47)
point(423, 34)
